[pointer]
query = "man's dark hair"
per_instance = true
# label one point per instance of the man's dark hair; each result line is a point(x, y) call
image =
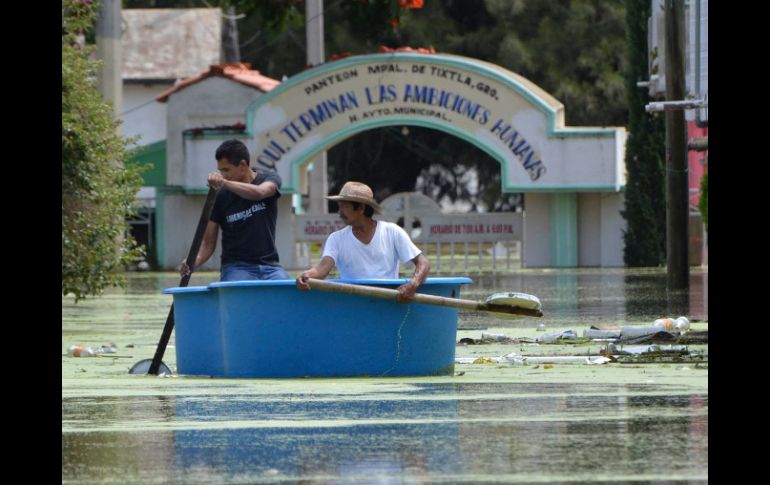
point(368, 211)
point(234, 151)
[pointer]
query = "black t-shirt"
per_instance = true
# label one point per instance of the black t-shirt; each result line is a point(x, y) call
point(248, 226)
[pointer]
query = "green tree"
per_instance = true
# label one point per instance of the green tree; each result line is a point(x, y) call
point(573, 49)
point(97, 188)
point(645, 211)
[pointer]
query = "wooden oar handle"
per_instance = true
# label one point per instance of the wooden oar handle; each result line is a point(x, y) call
point(389, 294)
point(196, 244)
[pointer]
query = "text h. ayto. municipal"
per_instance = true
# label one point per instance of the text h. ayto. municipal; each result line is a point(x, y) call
point(347, 102)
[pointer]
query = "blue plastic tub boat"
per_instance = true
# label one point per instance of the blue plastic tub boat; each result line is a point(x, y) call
point(271, 329)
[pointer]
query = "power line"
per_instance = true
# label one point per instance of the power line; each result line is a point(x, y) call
point(278, 38)
point(135, 108)
point(251, 39)
point(286, 32)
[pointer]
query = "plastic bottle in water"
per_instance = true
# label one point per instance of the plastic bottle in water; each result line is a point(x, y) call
point(77, 350)
point(680, 324)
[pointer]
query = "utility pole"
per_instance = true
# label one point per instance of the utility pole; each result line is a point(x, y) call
point(232, 49)
point(677, 212)
point(314, 47)
point(108, 33)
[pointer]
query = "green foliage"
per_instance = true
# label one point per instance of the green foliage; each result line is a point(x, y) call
point(97, 191)
point(574, 50)
point(645, 211)
point(703, 205)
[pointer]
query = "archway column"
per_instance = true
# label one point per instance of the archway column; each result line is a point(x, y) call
point(550, 230)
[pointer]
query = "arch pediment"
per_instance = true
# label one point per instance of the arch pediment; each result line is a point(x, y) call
point(500, 112)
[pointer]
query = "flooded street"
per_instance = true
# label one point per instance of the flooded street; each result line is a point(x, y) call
point(494, 422)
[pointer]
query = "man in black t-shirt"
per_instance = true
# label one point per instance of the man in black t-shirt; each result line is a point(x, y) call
point(246, 208)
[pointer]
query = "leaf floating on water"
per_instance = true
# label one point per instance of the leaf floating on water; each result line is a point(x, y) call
point(483, 360)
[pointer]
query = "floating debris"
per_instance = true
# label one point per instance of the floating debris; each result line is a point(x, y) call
point(594, 333)
point(558, 359)
point(691, 337)
point(680, 324)
point(468, 341)
point(483, 360)
point(495, 337)
point(485, 340)
point(79, 350)
point(639, 335)
point(540, 359)
point(568, 334)
point(479, 360)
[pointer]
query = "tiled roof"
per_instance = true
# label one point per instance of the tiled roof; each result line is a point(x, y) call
point(163, 43)
point(239, 72)
point(419, 50)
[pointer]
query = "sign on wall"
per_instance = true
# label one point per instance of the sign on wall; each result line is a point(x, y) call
point(498, 111)
point(442, 228)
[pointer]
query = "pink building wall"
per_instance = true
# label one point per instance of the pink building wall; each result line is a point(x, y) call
point(695, 163)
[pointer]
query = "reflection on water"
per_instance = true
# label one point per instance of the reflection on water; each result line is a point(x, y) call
point(614, 295)
point(495, 426)
point(498, 431)
point(341, 439)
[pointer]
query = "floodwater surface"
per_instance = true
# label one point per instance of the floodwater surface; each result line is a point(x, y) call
point(494, 422)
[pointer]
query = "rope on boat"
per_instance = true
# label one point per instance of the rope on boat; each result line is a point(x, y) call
point(398, 341)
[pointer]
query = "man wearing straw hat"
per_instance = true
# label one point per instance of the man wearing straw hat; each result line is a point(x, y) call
point(367, 248)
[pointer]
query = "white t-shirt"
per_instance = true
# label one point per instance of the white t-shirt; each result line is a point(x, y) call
point(378, 259)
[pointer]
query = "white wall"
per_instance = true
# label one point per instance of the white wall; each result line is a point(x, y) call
point(149, 120)
point(697, 48)
point(180, 219)
point(599, 230)
point(536, 248)
point(285, 240)
point(211, 102)
point(612, 227)
point(589, 229)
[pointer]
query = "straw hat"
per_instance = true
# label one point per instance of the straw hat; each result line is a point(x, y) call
point(357, 192)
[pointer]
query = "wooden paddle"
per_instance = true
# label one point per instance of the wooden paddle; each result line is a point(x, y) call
point(389, 294)
point(138, 368)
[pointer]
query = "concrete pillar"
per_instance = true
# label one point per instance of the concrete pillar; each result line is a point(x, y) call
point(314, 35)
point(589, 229)
point(536, 243)
point(564, 242)
point(285, 242)
point(612, 227)
point(109, 51)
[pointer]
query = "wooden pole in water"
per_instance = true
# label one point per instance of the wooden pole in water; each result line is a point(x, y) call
point(677, 210)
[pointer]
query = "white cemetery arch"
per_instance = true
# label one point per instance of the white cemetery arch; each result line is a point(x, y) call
point(573, 175)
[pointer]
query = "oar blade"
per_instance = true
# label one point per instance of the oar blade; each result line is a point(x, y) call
point(512, 298)
point(514, 304)
point(143, 367)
